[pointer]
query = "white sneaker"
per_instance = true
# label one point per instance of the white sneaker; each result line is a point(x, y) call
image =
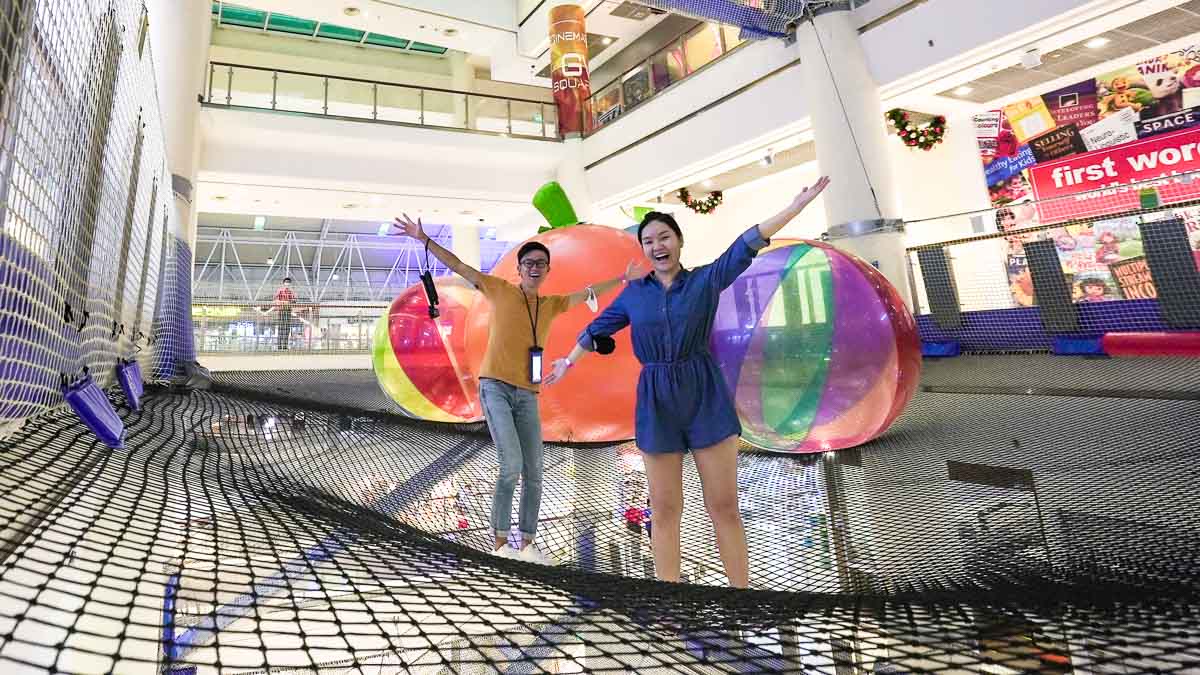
point(533, 554)
point(506, 551)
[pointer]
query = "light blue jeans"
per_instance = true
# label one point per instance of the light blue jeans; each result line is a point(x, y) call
point(512, 417)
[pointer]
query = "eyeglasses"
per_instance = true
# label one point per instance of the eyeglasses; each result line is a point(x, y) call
point(535, 264)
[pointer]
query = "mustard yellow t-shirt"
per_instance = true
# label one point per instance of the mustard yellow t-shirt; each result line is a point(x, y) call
point(510, 335)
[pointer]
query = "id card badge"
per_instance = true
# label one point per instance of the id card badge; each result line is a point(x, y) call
point(535, 365)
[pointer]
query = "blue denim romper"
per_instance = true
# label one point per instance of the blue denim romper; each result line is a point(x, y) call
point(683, 402)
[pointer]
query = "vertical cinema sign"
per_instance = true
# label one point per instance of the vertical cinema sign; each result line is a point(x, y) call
point(569, 69)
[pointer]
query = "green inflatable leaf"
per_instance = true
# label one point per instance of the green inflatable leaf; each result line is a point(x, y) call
point(551, 201)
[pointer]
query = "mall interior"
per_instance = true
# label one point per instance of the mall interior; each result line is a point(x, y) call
point(241, 424)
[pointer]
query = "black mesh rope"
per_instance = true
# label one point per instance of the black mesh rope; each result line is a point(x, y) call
point(241, 533)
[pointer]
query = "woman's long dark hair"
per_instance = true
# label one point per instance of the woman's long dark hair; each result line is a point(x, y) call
point(666, 218)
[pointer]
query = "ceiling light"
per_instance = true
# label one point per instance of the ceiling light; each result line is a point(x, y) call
point(336, 277)
point(708, 183)
point(270, 261)
point(260, 222)
point(351, 11)
point(1096, 42)
point(220, 198)
point(350, 206)
point(607, 41)
point(963, 90)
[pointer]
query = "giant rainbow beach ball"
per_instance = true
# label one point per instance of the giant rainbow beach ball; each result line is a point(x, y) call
point(419, 361)
point(818, 348)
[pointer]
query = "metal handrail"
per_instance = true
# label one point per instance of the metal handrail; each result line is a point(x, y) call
point(377, 82)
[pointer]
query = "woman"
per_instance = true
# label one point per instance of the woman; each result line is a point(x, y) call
point(683, 403)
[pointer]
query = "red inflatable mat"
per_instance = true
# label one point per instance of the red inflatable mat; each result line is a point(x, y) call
point(1152, 344)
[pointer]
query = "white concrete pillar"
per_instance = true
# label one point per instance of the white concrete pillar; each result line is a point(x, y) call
point(572, 176)
point(180, 33)
point(465, 243)
point(851, 141)
point(462, 78)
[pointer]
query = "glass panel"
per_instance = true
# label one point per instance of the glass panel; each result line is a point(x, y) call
point(350, 99)
point(731, 37)
point(300, 93)
point(526, 118)
point(488, 114)
point(550, 113)
point(290, 24)
point(386, 41)
point(243, 16)
point(445, 109)
point(702, 46)
point(606, 106)
point(399, 104)
point(636, 87)
point(428, 49)
point(334, 32)
point(219, 85)
point(667, 67)
point(251, 87)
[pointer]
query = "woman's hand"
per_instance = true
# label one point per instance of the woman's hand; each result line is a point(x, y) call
point(808, 194)
point(635, 270)
point(409, 228)
point(558, 369)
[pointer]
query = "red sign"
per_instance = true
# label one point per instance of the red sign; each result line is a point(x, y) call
point(1107, 177)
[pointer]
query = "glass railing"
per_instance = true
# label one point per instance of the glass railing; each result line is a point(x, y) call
point(271, 328)
point(350, 98)
point(681, 58)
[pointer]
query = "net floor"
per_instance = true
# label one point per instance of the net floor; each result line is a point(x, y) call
point(269, 528)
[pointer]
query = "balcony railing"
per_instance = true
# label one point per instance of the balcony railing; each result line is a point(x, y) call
point(272, 328)
point(679, 59)
point(239, 86)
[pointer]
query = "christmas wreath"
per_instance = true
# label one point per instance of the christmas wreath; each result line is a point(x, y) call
point(704, 206)
point(917, 136)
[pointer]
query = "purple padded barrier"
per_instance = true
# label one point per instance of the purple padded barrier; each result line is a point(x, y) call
point(94, 408)
point(129, 375)
point(34, 346)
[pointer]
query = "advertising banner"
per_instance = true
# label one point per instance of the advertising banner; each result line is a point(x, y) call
point(1157, 158)
point(1061, 142)
point(569, 77)
point(1075, 104)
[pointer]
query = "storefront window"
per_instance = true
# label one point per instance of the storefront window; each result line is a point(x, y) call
point(702, 46)
point(667, 66)
point(636, 86)
point(730, 34)
point(606, 105)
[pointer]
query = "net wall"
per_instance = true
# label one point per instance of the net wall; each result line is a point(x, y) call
point(243, 535)
point(85, 203)
point(1017, 277)
point(758, 19)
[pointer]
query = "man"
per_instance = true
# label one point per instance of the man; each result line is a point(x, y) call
point(510, 376)
point(284, 299)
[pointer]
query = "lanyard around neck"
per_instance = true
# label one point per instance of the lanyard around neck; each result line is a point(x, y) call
point(533, 318)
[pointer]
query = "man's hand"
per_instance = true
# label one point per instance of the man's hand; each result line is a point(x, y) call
point(558, 369)
point(635, 270)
